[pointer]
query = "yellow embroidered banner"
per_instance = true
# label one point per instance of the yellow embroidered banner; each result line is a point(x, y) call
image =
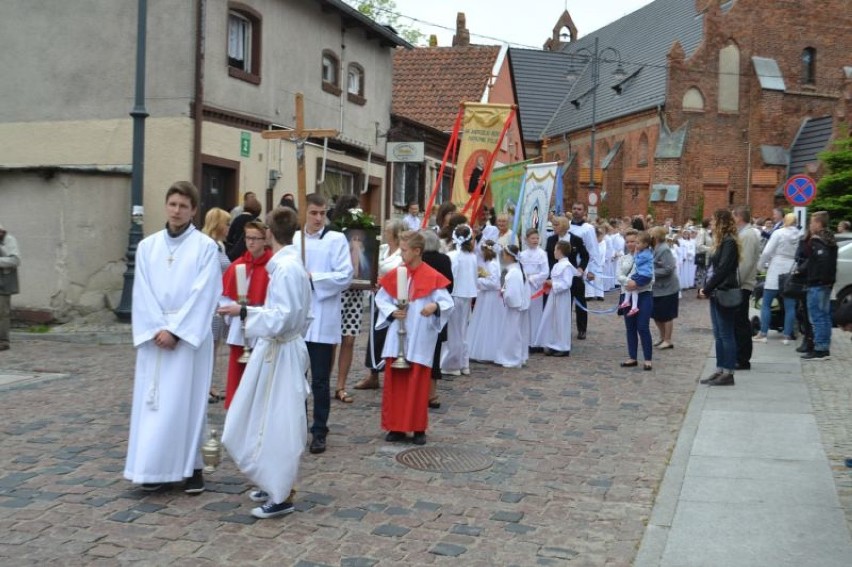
point(482, 126)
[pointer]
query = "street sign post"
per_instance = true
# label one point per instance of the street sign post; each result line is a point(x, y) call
point(800, 190)
point(801, 217)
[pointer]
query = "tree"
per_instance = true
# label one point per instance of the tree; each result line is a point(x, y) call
point(385, 13)
point(834, 190)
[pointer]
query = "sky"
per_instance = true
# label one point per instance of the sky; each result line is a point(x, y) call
point(522, 23)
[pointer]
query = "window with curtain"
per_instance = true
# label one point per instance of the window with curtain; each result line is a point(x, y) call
point(239, 41)
point(406, 183)
point(336, 183)
point(355, 80)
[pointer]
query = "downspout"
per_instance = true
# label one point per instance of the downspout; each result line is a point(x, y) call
point(199, 92)
point(367, 172)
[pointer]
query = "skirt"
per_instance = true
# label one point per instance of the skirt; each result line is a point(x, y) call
point(352, 312)
point(665, 308)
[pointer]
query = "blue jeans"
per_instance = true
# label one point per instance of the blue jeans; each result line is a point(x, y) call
point(723, 333)
point(322, 356)
point(766, 312)
point(638, 327)
point(819, 313)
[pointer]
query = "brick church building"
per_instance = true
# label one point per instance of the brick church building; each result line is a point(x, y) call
point(693, 105)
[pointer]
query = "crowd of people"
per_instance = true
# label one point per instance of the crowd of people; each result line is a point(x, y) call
point(445, 296)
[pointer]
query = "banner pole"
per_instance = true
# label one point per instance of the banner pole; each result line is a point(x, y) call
point(450, 146)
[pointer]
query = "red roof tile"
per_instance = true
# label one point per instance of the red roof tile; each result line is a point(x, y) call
point(429, 83)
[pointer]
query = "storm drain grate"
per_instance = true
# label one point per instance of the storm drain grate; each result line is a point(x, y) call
point(444, 459)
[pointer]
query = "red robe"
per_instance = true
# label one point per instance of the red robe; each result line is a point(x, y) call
point(405, 394)
point(258, 279)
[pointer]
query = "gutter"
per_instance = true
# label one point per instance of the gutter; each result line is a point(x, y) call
point(201, 10)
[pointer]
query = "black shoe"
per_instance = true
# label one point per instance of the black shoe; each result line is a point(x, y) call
point(817, 355)
point(195, 483)
point(560, 353)
point(806, 346)
point(743, 366)
point(630, 364)
point(726, 379)
point(152, 486)
point(581, 335)
point(395, 436)
point(419, 438)
point(317, 444)
point(547, 352)
point(710, 378)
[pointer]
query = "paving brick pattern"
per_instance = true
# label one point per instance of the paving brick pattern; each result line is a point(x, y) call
point(579, 447)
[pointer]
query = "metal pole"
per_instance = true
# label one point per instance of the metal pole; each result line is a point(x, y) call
point(139, 114)
point(595, 72)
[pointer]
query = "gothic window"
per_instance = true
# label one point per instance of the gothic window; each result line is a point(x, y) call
point(355, 84)
point(729, 79)
point(809, 66)
point(642, 153)
point(693, 100)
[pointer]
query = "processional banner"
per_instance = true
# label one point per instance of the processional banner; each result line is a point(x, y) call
point(535, 198)
point(505, 185)
point(482, 127)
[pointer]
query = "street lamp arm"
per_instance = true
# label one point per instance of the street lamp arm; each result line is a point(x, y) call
point(613, 51)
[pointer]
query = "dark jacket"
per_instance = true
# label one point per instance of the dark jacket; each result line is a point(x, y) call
point(724, 262)
point(235, 243)
point(820, 254)
point(441, 263)
point(579, 257)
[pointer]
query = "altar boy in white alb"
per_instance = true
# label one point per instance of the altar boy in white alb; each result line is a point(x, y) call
point(177, 284)
point(265, 429)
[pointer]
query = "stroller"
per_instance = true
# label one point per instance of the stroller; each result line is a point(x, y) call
point(776, 317)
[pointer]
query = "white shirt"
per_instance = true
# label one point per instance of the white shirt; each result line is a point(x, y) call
point(464, 273)
point(412, 222)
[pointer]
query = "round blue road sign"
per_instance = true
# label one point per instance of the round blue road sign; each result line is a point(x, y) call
point(800, 190)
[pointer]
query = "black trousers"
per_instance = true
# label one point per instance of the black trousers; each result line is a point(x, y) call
point(578, 292)
point(742, 330)
point(322, 357)
point(375, 345)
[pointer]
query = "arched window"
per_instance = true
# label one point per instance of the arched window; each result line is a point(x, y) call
point(355, 83)
point(642, 153)
point(693, 100)
point(809, 66)
point(729, 79)
point(330, 72)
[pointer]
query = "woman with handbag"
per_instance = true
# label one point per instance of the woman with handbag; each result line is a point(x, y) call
point(779, 253)
point(723, 289)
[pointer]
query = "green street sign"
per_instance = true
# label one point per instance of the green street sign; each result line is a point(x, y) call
point(245, 144)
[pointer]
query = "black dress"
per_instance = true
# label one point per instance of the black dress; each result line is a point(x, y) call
point(441, 263)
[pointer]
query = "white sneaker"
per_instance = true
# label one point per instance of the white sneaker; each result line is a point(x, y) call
point(451, 372)
point(272, 510)
point(465, 371)
point(258, 496)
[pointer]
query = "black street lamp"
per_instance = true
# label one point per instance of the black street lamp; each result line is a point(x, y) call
point(139, 114)
point(596, 57)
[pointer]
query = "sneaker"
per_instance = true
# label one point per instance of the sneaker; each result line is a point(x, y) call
point(786, 340)
point(272, 510)
point(806, 346)
point(725, 379)
point(451, 372)
point(760, 339)
point(465, 371)
point(317, 444)
point(817, 355)
point(710, 378)
point(195, 483)
point(258, 496)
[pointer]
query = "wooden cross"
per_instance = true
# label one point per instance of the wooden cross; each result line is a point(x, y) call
point(300, 135)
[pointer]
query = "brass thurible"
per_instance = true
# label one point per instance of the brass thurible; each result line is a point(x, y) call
point(400, 363)
point(211, 453)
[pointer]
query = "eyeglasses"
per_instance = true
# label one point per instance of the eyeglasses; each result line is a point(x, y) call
point(251, 238)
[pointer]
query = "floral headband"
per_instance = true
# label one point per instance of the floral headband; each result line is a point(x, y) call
point(459, 240)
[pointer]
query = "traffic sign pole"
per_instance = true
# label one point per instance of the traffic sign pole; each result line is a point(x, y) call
point(801, 217)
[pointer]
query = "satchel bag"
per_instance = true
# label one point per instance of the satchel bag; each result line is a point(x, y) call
point(730, 298)
point(792, 284)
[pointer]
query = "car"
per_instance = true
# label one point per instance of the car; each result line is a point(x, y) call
point(843, 238)
point(842, 290)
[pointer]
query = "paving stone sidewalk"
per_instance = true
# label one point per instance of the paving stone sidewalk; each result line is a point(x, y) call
point(579, 446)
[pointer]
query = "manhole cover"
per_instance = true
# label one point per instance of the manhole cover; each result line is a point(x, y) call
point(444, 459)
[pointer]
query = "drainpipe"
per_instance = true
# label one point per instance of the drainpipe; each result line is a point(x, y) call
point(199, 92)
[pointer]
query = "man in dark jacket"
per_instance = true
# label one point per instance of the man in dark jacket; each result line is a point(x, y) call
point(579, 259)
point(820, 252)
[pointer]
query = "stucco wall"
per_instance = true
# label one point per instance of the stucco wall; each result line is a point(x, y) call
point(72, 231)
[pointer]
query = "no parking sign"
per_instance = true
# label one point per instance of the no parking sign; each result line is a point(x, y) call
point(800, 190)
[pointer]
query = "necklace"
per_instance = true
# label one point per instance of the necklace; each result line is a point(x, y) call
point(171, 250)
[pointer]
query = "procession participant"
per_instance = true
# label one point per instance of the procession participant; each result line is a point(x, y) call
point(579, 227)
point(513, 348)
point(178, 282)
point(554, 330)
point(216, 223)
point(329, 266)
point(412, 218)
point(446, 232)
point(255, 259)
point(10, 260)
point(534, 261)
point(389, 258)
point(440, 262)
point(594, 271)
point(505, 235)
point(483, 332)
point(405, 396)
point(234, 243)
point(454, 357)
point(266, 430)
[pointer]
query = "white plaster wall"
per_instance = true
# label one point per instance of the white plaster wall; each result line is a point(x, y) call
point(72, 231)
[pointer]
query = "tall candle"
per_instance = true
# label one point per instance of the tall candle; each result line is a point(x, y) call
point(402, 283)
point(242, 281)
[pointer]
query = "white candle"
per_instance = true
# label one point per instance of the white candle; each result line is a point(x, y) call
point(402, 283)
point(242, 281)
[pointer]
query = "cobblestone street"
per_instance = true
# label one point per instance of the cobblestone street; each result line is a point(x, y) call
point(579, 446)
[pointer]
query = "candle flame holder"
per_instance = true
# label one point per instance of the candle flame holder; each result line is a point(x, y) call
point(400, 363)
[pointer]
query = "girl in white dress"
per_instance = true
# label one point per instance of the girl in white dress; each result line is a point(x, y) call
point(554, 331)
point(483, 333)
point(513, 348)
point(454, 356)
point(534, 262)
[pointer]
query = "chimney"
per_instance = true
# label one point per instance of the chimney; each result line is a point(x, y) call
point(462, 36)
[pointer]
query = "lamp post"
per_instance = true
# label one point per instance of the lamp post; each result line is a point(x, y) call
point(595, 57)
point(139, 114)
